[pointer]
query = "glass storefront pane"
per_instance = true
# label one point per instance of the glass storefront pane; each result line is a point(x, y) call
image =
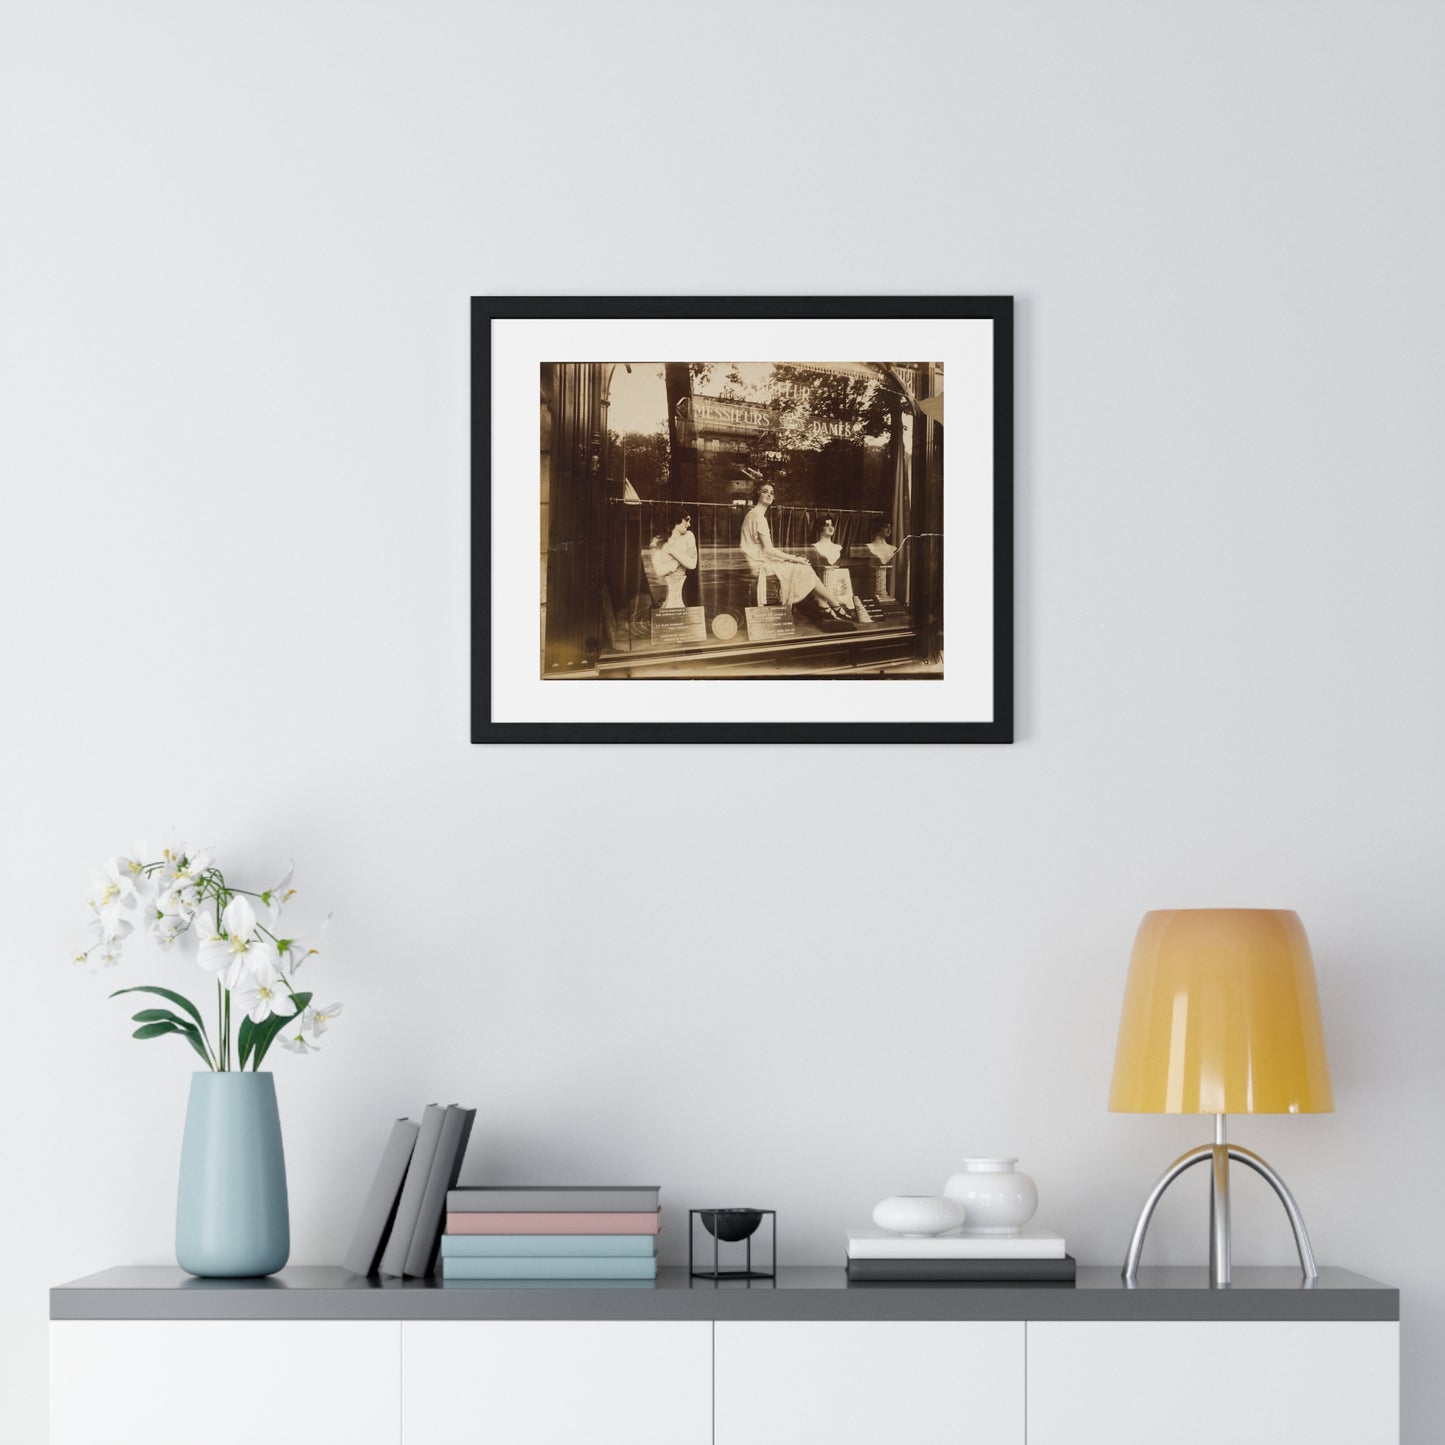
point(740, 518)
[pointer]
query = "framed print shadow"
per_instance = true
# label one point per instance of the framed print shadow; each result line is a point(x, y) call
point(768, 548)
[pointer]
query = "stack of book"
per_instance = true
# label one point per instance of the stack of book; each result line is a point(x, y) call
point(525, 1232)
point(1032, 1256)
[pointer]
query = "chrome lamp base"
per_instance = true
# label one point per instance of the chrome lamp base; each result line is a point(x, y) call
point(1219, 1154)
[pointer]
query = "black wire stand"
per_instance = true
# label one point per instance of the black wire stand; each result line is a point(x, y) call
point(721, 1271)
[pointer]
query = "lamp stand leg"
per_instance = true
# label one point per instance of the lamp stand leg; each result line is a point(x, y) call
point(1219, 1208)
point(1296, 1219)
point(1141, 1226)
point(1219, 1154)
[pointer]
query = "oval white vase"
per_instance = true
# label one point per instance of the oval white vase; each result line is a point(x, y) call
point(998, 1199)
point(918, 1215)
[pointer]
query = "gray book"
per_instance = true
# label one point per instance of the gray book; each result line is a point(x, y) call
point(408, 1207)
point(446, 1165)
point(380, 1208)
point(559, 1199)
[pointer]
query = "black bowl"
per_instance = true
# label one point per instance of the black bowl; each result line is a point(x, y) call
point(731, 1225)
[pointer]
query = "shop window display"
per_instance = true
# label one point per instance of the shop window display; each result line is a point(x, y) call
point(742, 519)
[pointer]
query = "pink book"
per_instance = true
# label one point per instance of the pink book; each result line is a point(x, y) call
point(530, 1223)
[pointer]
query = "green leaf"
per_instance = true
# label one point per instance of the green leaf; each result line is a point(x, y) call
point(186, 1031)
point(157, 1015)
point(163, 1015)
point(265, 1033)
point(175, 998)
point(193, 1039)
point(154, 1031)
point(245, 1038)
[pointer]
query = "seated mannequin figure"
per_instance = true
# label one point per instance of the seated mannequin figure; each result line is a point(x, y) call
point(670, 561)
point(797, 581)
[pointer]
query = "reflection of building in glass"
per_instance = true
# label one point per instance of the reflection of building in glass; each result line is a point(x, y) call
point(732, 439)
point(856, 444)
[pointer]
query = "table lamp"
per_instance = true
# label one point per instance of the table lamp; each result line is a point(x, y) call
point(1221, 1016)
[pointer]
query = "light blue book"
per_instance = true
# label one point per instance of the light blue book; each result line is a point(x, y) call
point(537, 1246)
point(574, 1267)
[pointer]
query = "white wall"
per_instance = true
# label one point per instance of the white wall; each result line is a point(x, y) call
point(237, 250)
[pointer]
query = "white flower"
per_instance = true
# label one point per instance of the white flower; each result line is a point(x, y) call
point(133, 865)
point(261, 1000)
point(167, 927)
point(109, 953)
point(293, 1037)
point(178, 861)
point(280, 894)
point(190, 866)
point(263, 961)
point(111, 889)
point(315, 1020)
point(175, 909)
point(230, 949)
point(102, 940)
point(295, 951)
point(171, 856)
point(94, 938)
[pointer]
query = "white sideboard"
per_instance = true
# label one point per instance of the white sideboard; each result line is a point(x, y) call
point(320, 1356)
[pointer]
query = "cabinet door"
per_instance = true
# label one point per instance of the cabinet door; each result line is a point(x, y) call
point(552, 1382)
point(225, 1382)
point(1275, 1383)
point(869, 1383)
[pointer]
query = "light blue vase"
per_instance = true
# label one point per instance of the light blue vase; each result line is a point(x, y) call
point(231, 1216)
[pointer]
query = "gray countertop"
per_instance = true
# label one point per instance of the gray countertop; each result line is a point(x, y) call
point(799, 1293)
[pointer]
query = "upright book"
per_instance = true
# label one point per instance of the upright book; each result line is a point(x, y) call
point(554, 1199)
point(379, 1210)
point(446, 1164)
point(408, 1208)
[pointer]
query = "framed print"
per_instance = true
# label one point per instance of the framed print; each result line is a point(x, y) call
point(732, 519)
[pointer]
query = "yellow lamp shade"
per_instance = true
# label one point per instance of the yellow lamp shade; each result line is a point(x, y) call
point(1221, 1016)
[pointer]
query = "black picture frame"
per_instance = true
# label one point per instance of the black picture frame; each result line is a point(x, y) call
point(997, 727)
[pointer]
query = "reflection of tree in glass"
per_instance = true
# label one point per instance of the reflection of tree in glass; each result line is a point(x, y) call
point(641, 458)
point(819, 407)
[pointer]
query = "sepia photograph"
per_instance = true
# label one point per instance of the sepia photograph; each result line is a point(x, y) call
point(755, 519)
point(779, 520)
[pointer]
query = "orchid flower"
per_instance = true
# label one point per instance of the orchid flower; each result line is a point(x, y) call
point(133, 865)
point(230, 949)
point(296, 1042)
point(295, 951)
point(111, 890)
point(106, 940)
point(261, 1000)
point(279, 894)
point(315, 1020)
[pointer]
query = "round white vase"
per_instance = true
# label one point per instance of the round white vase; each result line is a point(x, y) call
point(998, 1199)
point(918, 1215)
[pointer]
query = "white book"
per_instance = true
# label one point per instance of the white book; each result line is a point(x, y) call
point(1026, 1244)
